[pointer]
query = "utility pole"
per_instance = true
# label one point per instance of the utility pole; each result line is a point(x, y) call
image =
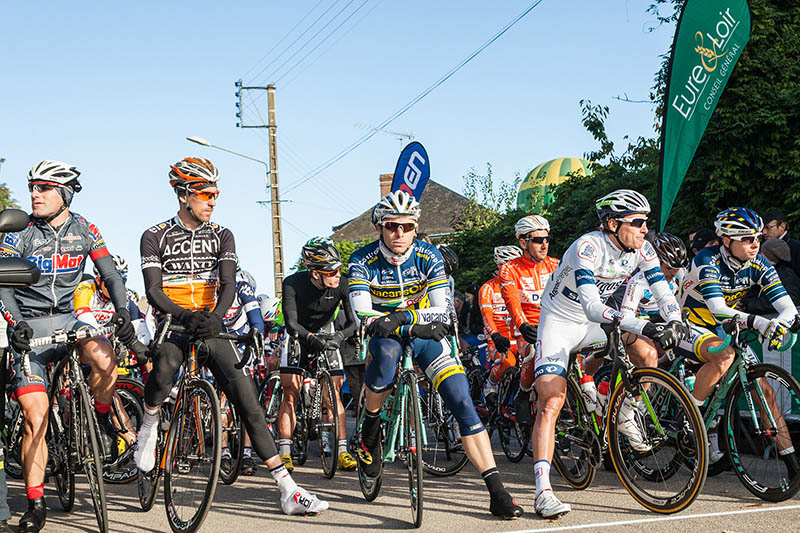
point(272, 174)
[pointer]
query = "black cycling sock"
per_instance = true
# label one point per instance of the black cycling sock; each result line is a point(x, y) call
point(492, 479)
point(371, 429)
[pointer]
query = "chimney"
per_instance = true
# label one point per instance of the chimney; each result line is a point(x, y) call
point(385, 181)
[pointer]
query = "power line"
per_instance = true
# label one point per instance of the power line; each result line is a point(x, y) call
point(323, 40)
point(260, 72)
point(413, 102)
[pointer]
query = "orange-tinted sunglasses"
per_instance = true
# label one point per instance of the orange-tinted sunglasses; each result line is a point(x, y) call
point(206, 195)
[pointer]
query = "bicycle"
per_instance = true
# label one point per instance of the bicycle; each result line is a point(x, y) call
point(401, 415)
point(757, 401)
point(189, 445)
point(668, 476)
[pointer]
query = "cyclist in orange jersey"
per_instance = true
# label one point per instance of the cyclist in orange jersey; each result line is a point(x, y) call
point(502, 346)
point(522, 283)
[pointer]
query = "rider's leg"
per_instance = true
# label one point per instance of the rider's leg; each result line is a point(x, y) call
point(551, 390)
point(34, 449)
point(290, 384)
point(338, 381)
point(715, 366)
point(98, 353)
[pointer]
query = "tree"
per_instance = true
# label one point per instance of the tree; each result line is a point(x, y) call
point(486, 205)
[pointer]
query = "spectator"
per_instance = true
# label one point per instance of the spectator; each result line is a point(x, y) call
point(779, 254)
point(702, 238)
point(776, 227)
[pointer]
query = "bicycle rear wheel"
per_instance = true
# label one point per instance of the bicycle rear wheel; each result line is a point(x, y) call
point(193, 453)
point(124, 469)
point(572, 453)
point(328, 409)
point(59, 445)
point(755, 455)
point(233, 429)
point(678, 456)
point(514, 439)
point(90, 454)
point(412, 441)
point(269, 397)
point(443, 455)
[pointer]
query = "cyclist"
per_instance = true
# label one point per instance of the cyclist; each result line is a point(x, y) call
point(522, 281)
point(398, 285)
point(573, 308)
point(189, 266)
point(58, 241)
point(719, 276)
point(310, 301)
point(243, 315)
point(502, 344)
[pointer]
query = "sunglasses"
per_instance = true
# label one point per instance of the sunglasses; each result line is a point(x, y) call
point(635, 222)
point(748, 239)
point(393, 226)
point(538, 240)
point(206, 195)
point(41, 187)
point(328, 273)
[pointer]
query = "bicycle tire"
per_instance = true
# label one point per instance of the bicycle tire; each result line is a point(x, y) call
point(14, 421)
point(325, 383)
point(58, 446)
point(514, 439)
point(198, 421)
point(300, 436)
point(235, 432)
point(148, 482)
point(90, 454)
point(269, 397)
point(754, 457)
point(573, 462)
point(125, 470)
point(444, 454)
point(370, 487)
point(684, 434)
point(412, 435)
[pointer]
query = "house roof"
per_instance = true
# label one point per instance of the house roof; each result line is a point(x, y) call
point(440, 209)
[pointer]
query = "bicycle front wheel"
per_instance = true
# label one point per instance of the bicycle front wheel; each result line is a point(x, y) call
point(514, 439)
point(193, 454)
point(270, 396)
point(90, 454)
point(301, 437)
point(233, 430)
point(328, 425)
point(59, 445)
point(443, 454)
point(127, 415)
point(756, 454)
point(572, 454)
point(660, 452)
point(412, 441)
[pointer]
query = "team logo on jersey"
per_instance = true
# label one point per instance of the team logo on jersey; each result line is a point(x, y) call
point(95, 233)
point(69, 237)
point(11, 239)
point(57, 263)
point(586, 251)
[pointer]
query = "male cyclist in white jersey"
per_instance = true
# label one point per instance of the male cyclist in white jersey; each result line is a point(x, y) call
point(573, 308)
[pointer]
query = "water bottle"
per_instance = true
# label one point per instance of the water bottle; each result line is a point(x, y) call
point(589, 391)
point(688, 381)
point(602, 394)
point(307, 391)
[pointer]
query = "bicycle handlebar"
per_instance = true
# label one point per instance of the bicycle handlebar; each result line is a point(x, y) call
point(731, 328)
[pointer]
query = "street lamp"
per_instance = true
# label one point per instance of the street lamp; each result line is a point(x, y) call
point(277, 239)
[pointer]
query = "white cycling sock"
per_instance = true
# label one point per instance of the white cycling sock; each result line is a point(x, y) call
point(248, 451)
point(150, 416)
point(285, 482)
point(541, 470)
point(226, 452)
point(342, 446)
point(786, 451)
point(285, 446)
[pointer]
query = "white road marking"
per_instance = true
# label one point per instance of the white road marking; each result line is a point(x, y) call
point(659, 519)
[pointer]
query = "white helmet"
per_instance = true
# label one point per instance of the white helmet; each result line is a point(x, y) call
point(530, 223)
point(503, 254)
point(56, 172)
point(270, 307)
point(245, 276)
point(120, 264)
point(620, 203)
point(395, 205)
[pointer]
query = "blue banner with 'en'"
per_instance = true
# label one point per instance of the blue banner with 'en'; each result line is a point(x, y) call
point(412, 171)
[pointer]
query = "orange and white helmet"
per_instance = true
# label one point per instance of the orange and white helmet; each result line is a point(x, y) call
point(193, 173)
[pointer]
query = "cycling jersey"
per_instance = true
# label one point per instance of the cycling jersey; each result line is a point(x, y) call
point(93, 308)
point(187, 261)
point(244, 312)
point(60, 254)
point(638, 299)
point(307, 309)
point(522, 282)
point(493, 309)
point(711, 289)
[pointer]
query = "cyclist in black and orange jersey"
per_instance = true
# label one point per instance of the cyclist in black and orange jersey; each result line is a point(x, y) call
point(189, 266)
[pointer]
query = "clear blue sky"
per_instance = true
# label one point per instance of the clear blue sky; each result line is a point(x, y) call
point(116, 89)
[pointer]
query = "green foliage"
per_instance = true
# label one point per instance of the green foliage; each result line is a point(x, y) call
point(5, 198)
point(486, 205)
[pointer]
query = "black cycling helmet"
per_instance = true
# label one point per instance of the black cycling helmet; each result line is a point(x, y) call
point(319, 253)
point(671, 250)
point(450, 259)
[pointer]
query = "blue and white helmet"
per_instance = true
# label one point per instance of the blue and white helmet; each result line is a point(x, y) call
point(620, 203)
point(738, 221)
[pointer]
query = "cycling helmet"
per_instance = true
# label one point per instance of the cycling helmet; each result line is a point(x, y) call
point(395, 205)
point(246, 277)
point(671, 250)
point(620, 203)
point(270, 307)
point(319, 253)
point(503, 254)
point(530, 223)
point(193, 173)
point(450, 259)
point(57, 172)
point(120, 264)
point(738, 221)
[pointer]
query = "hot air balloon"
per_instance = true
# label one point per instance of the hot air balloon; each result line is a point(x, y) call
point(536, 190)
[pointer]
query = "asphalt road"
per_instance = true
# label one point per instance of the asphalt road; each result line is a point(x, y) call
point(458, 504)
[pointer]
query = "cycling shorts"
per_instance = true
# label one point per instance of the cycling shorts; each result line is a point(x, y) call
point(41, 355)
point(296, 363)
point(558, 338)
